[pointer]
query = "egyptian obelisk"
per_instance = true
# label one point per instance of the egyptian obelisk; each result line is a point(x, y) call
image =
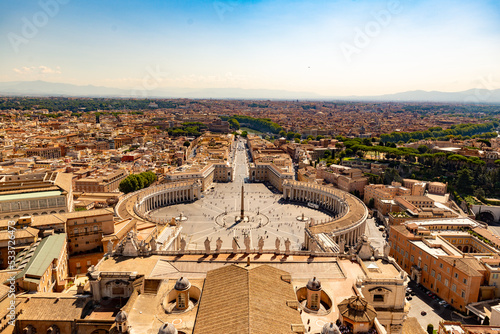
point(242, 216)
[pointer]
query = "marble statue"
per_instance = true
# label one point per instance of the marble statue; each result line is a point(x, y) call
point(183, 244)
point(247, 243)
point(342, 245)
point(261, 244)
point(287, 246)
point(207, 245)
point(218, 245)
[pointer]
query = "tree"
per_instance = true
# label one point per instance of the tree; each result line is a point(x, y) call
point(282, 133)
point(423, 149)
point(186, 143)
point(430, 329)
point(244, 134)
point(371, 203)
point(234, 124)
point(465, 180)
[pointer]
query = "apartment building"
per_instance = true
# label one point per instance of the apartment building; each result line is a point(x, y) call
point(444, 259)
point(86, 230)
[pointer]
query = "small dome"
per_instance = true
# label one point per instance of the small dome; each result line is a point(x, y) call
point(330, 328)
point(182, 284)
point(167, 328)
point(314, 284)
point(121, 316)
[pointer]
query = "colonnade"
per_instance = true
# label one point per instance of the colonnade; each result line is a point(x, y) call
point(167, 194)
point(349, 212)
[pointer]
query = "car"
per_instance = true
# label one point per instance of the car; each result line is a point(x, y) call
point(442, 302)
point(446, 305)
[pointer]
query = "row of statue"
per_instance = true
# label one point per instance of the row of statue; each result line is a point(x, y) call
point(235, 245)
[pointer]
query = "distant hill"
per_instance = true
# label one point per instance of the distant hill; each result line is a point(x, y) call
point(467, 96)
point(43, 88)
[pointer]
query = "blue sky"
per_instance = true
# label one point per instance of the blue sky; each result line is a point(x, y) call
point(357, 47)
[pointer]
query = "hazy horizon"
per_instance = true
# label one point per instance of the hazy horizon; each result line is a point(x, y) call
point(328, 48)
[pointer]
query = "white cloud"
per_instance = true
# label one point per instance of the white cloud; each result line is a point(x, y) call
point(37, 70)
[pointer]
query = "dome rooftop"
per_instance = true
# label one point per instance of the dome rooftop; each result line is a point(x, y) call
point(182, 284)
point(121, 316)
point(167, 328)
point(330, 328)
point(314, 284)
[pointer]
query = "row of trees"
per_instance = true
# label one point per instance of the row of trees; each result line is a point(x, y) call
point(260, 124)
point(194, 129)
point(437, 132)
point(55, 104)
point(135, 182)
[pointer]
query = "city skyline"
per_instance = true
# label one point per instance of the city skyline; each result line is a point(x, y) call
point(336, 48)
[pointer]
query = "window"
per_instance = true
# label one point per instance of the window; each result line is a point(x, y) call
point(465, 280)
point(453, 288)
point(463, 293)
point(446, 281)
point(455, 275)
point(181, 300)
point(433, 273)
point(440, 265)
point(439, 277)
point(495, 276)
point(378, 298)
point(425, 267)
point(412, 258)
point(448, 269)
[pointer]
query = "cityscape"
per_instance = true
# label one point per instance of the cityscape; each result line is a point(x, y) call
point(249, 167)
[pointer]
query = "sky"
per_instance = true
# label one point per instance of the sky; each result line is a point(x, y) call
point(330, 48)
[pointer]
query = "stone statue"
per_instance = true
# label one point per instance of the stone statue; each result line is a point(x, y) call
point(218, 245)
point(261, 244)
point(247, 243)
point(152, 244)
point(387, 249)
point(277, 244)
point(110, 247)
point(235, 245)
point(376, 253)
point(207, 245)
point(183, 244)
point(287, 246)
point(352, 250)
point(342, 245)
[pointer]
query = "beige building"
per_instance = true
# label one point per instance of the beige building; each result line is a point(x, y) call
point(35, 194)
point(44, 265)
point(345, 178)
point(101, 181)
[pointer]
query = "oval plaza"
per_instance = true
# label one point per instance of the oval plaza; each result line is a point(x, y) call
point(221, 208)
